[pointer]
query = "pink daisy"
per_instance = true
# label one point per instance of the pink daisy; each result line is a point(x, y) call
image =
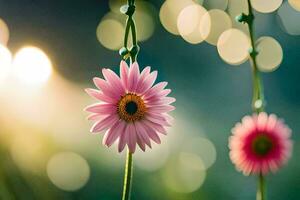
point(132, 109)
point(259, 144)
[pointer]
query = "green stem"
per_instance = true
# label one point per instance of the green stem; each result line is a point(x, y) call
point(127, 177)
point(261, 189)
point(258, 93)
point(127, 29)
point(130, 26)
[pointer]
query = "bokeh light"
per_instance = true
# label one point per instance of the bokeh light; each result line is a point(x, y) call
point(270, 54)
point(233, 46)
point(289, 18)
point(31, 150)
point(203, 148)
point(216, 4)
point(184, 173)
point(213, 24)
point(295, 4)
point(110, 31)
point(4, 32)
point(115, 5)
point(145, 20)
point(32, 66)
point(169, 13)
point(153, 159)
point(5, 62)
point(266, 6)
point(199, 1)
point(188, 23)
point(68, 171)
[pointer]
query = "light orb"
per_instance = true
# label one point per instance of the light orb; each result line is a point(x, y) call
point(233, 46)
point(295, 4)
point(110, 31)
point(213, 24)
point(270, 54)
point(68, 171)
point(169, 13)
point(32, 66)
point(185, 173)
point(289, 18)
point(266, 6)
point(188, 23)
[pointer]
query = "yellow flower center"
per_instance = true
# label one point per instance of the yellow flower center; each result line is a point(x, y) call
point(131, 107)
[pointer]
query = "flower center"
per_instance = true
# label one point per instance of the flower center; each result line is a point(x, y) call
point(262, 145)
point(131, 107)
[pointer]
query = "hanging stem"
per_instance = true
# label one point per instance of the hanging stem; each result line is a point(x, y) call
point(127, 177)
point(258, 93)
point(129, 10)
point(132, 53)
point(261, 188)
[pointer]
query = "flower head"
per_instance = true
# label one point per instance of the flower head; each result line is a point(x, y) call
point(132, 109)
point(259, 144)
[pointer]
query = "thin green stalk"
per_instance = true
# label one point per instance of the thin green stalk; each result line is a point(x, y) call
point(258, 92)
point(130, 26)
point(127, 177)
point(127, 29)
point(261, 189)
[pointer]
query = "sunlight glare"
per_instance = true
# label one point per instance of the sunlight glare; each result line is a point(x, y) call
point(32, 66)
point(5, 62)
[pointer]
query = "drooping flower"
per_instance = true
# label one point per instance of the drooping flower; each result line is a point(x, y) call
point(132, 109)
point(259, 144)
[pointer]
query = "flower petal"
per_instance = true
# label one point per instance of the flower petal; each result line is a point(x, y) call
point(144, 74)
point(95, 116)
point(142, 133)
point(157, 127)
point(100, 108)
point(113, 80)
point(162, 101)
point(124, 71)
point(104, 124)
point(159, 95)
point(106, 88)
point(134, 73)
point(161, 109)
point(155, 90)
point(113, 133)
point(147, 83)
point(151, 133)
point(132, 140)
point(99, 96)
point(123, 139)
point(158, 119)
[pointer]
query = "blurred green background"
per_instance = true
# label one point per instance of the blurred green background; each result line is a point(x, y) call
point(47, 151)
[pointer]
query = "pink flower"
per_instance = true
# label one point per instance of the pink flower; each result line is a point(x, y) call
point(260, 143)
point(132, 109)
